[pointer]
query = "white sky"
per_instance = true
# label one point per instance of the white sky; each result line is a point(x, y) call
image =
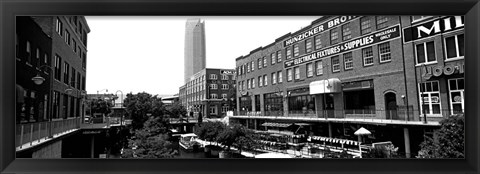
point(136, 54)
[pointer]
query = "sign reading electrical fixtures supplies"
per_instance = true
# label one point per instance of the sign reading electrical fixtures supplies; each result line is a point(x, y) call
point(359, 42)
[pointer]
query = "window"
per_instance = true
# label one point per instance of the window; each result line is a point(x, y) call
point(289, 53)
point(213, 96)
point(253, 82)
point(66, 72)
point(67, 37)
point(279, 56)
point(224, 86)
point(29, 53)
point(37, 56)
point(249, 85)
point(84, 61)
point(264, 61)
point(381, 22)
point(308, 45)
point(289, 75)
point(259, 63)
point(213, 76)
point(224, 95)
point(225, 108)
point(456, 88)
point(367, 54)
point(384, 52)
point(430, 102)
point(224, 77)
point(78, 79)
point(213, 109)
point(59, 26)
point(213, 86)
point(260, 81)
point(365, 25)
point(296, 50)
point(273, 57)
point(83, 83)
point(319, 67)
point(280, 78)
point(348, 61)
point(58, 67)
point(265, 80)
point(274, 78)
point(335, 64)
point(73, 81)
point(309, 69)
point(419, 18)
point(17, 46)
point(454, 46)
point(318, 42)
point(425, 52)
point(248, 67)
point(46, 62)
point(74, 46)
point(346, 31)
point(253, 65)
point(297, 73)
point(333, 36)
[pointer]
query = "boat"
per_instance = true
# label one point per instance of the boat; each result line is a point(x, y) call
point(188, 141)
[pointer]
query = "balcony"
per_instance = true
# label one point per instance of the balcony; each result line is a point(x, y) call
point(399, 116)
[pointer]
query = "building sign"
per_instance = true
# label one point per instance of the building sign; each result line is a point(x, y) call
point(366, 84)
point(433, 99)
point(320, 28)
point(92, 132)
point(226, 72)
point(432, 28)
point(449, 69)
point(359, 42)
point(298, 91)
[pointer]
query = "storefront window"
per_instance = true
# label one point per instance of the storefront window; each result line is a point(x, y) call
point(273, 102)
point(457, 93)
point(430, 98)
point(301, 103)
point(246, 103)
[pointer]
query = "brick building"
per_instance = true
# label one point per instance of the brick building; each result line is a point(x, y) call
point(210, 91)
point(345, 72)
point(50, 74)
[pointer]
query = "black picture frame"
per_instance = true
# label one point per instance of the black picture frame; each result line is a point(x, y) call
point(9, 9)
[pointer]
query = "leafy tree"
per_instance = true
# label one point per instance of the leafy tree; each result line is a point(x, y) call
point(229, 135)
point(249, 141)
point(176, 110)
point(151, 141)
point(139, 105)
point(448, 141)
point(209, 131)
point(382, 152)
point(99, 106)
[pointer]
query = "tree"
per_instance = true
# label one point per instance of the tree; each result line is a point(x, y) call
point(229, 135)
point(99, 106)
point(138, 105)
point(176, 110)
point(151, 141)
point(389, 151)
point(209, 131)
point(448, 141)
point(249, 141)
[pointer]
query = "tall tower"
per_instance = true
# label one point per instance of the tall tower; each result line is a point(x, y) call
point(194, 47)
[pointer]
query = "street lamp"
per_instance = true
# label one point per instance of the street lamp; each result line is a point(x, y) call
point(121, 106)
point(421, 96)
point(38, 80)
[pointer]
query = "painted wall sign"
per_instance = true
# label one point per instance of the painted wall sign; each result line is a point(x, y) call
point(226, 72)
point(359, 42)
point(432, 28)
point(430, 71)
point(319, 28)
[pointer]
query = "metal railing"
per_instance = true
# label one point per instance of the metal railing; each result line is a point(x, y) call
point(368, 115)
point(32, 133)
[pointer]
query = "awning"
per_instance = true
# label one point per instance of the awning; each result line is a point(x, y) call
point(332, 85)
point(284, 125)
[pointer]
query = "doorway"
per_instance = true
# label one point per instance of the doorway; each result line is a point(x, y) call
point(391, 105)
point(328, 107)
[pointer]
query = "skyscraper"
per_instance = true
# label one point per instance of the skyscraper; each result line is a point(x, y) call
point(194, 47)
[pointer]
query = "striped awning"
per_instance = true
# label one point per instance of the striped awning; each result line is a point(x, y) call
point(333, 140)
point(284, 125)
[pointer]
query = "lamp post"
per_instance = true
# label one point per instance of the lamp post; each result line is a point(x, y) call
point(38, 80)
point(121, 106)
point(421, 96)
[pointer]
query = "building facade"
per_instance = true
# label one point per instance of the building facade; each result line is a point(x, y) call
point(194, 48)
point(345, 72)
point(51, 71)
point(210, 91)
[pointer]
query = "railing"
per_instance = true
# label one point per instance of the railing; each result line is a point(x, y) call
point(32, 133)
point(368, 115)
